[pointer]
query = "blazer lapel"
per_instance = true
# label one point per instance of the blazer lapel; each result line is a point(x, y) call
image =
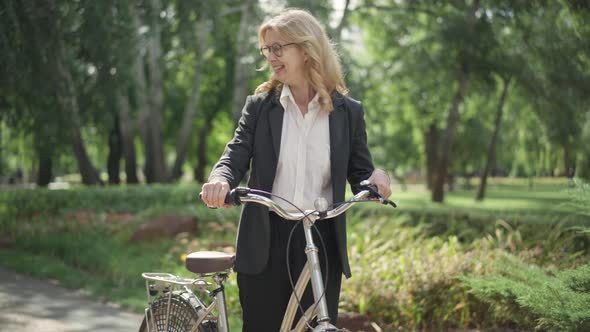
point(338, 124)
point(275, 121)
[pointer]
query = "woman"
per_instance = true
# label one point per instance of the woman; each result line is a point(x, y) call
point(303, 139)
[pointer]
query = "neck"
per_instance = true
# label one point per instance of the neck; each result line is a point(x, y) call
point(302, 93)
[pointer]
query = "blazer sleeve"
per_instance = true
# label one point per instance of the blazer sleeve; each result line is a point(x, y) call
point(235, 160)
point(360, 163)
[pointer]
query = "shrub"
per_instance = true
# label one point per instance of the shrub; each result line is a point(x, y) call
point(529, 297)
point(580, 197)
point(401, 278)
point(24, 203)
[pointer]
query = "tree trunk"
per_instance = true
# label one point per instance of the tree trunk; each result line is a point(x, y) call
point(242, 70)
point(156, 161)
point(191, 107)
point(569, 162)
point(444, 150)
point(431, 142)
point(115, 153)
point(1, 145)
point(492, 147)
point(343, 21)
point(44, 173)
point(199, 171)
point(127, 134)
point(69, 103)
point(583, 170)
point(144, 104)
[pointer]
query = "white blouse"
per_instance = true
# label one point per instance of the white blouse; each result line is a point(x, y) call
point(303, 169)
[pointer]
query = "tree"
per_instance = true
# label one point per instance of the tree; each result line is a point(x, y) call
point(190, 111)
point(40, 39)
point(491, 157)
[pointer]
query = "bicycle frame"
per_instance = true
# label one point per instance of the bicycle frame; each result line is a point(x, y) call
point(311, 271)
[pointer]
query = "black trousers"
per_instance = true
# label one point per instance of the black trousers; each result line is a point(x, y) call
point(264, 297)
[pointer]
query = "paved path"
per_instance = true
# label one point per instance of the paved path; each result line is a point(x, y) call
point(31, 305)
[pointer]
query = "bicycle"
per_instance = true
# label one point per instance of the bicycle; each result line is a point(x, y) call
point(180, 309)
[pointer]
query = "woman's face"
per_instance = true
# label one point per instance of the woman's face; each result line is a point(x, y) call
point(288, 66)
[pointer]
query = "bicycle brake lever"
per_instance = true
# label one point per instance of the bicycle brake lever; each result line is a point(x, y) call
point(388, 202)
point(233, 196)
point(375, 193)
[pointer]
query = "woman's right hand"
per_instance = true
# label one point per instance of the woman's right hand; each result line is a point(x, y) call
point(213, 194)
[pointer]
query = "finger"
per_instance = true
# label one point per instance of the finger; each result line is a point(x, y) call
point(205, 193)
point(382, 190)
point(226, 189)
point(211, 197)
point(217, 201)
point(223, 189)
point(387, 194)
point(385, 191)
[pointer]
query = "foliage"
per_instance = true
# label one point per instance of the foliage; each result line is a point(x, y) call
point(526, 296)
point(401, 58)
point(90, 249)
point(25, 203)
point(411, 271)
point(401, 278)
point(580, 197)
point(418, 266)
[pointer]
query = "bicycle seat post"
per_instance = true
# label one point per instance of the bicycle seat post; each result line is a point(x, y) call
point(317, 282)
point(219, 295)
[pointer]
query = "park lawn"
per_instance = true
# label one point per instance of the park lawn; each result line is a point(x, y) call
point(110, 267)
point(547, 200)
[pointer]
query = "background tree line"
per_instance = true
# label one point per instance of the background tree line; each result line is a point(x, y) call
point(150, 90)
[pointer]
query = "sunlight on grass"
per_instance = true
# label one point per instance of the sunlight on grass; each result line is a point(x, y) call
point(546, 196)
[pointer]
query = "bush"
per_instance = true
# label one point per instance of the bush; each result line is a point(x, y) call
point(580, 198)
point(24, 203)
point(401, 278)
point(411, 271)
point(528, 297)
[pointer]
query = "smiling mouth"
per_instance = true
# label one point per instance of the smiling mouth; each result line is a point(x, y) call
point(277, 68)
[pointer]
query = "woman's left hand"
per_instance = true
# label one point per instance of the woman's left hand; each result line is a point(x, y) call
point(381, 180)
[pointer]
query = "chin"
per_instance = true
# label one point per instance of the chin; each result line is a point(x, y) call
point(275, 77)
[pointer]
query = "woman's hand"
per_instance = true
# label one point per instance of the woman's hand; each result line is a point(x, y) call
point(213, 194)
point(381, 180)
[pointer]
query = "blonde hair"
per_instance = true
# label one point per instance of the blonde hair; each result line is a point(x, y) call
point(324, 72)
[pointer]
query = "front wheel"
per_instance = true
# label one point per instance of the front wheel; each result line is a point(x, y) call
point(183, 313)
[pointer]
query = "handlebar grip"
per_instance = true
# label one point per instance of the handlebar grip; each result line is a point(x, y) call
point(231, 198)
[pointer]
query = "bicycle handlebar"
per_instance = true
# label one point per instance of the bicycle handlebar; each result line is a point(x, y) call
point(242, 194)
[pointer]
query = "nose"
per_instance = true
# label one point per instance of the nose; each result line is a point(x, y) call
point(272, 57)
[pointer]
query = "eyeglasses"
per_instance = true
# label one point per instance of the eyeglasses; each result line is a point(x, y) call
point(276, 49)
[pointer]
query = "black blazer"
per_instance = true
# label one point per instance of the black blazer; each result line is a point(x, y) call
point(257, 140)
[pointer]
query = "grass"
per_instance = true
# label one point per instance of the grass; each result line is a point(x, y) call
point(95, 255)
point(546, 201)
point(501, 196)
